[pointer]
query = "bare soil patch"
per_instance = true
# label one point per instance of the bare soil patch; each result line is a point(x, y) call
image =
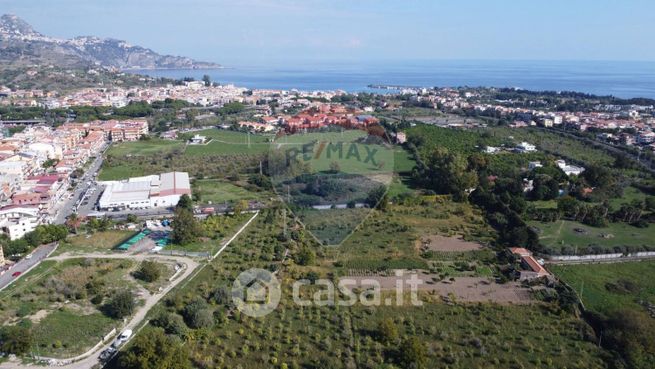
point(38, 316)
point(448, 244)
point(461, 289)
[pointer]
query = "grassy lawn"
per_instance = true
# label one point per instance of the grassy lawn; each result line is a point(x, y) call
point(149, 147)
point(225, 142)
point(216, 192)
point(340, 148)
point(544, 204)
point(343, 136)
point(399, 185)
point(403, 161)
point(630, 195)
point(233, 137)
point(120, 172)
point(562, 235)
point(66, 333)
point(96, 242)
point(610, 287)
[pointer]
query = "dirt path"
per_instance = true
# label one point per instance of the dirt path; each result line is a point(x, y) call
point(89, 359)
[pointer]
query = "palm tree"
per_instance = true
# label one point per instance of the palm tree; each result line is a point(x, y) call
point(73, 221)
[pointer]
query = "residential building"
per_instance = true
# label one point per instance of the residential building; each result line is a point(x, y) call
point(16, 221)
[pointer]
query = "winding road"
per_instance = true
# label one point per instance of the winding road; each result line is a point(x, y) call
point(89, 359)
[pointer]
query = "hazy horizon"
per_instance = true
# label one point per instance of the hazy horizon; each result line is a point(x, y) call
point(255, 32)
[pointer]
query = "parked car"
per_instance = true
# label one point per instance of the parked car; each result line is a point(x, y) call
point(122, 338)
point(107, 354)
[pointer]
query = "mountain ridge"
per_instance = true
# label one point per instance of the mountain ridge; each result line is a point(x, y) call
point(21, 44)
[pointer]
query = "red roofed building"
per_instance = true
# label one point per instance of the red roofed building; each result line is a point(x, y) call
point(533, 269)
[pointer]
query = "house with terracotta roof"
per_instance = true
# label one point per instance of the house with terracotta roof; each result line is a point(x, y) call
point(532, 268)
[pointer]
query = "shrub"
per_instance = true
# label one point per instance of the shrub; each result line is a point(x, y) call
point(120, 305)
point(149, 272)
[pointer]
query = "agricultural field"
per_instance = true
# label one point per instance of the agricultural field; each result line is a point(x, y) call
point(203, 165)
point(553, 143)
point(457, 335)
point(613, 286)
point(395, 239)
point(63, 301)
point(462, 141)
point(567, 237)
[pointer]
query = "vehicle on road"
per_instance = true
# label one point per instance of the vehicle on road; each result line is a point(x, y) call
point(106, 354)
point(122, 338)
point(29, 256)
point(16, 274)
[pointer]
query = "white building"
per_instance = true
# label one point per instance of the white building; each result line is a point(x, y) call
point(570, 170)
point(156, 191)
point(524, 147)
point(534, 165)
point(198, 140)
point(16, 221)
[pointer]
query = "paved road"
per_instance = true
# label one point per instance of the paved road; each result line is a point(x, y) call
point(25, 264)
point(90, 359)
point(85, 183)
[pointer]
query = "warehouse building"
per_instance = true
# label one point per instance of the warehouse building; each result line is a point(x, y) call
point(156, 191)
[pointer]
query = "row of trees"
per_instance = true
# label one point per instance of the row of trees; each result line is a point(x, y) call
point(42, 234)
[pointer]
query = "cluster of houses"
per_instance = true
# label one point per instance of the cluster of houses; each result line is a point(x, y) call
point(314, 117)
point(37, 166)
point(110, 130)
point(194, 92)
point(639, 121)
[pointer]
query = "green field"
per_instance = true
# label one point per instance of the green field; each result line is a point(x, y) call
point(120, 172)
point(342, 136)
point(96, 242)
point(390, 240)
point(224, 142)
point(148, 147)
point(610, 287)
point(234, 137)
point(403, 161)
point(630, 195)
point(562, 236)
point(217, 192)
point(553, 143)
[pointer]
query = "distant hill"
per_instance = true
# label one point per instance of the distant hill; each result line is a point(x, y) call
point(21, 45)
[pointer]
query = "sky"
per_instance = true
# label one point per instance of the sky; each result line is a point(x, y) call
point(255, 32)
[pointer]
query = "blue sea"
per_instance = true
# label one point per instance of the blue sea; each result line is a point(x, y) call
point(621, 79)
